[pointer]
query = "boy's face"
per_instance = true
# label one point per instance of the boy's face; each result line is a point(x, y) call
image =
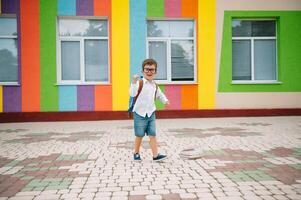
point(149, 72)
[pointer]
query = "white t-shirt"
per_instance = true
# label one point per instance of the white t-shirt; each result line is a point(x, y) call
point(145, 103)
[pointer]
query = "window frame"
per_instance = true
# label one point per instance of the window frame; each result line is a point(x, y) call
point(252, 41)
point(168, 41)
point(81, 40)
point(16, 83)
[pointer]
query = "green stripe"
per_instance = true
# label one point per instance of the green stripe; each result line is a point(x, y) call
point(155, 8)
point(159, 105)
point(49, 90)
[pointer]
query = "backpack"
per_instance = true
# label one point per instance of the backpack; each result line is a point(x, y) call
point(133, 100)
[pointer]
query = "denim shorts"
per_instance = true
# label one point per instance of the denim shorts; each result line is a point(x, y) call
point(145, 125)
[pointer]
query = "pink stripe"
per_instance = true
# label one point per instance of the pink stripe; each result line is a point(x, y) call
point(173, 93)
point(172, 8)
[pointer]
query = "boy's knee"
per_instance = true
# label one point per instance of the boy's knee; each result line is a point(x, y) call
point(151, 137)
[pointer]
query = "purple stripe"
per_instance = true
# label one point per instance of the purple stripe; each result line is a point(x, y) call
point(12, 94)
point(19, 40)
point(84, 7)
point(9, 6)
point(85, 98)
point(11, 99)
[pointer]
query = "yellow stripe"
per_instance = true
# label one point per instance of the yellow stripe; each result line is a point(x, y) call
point(1, 97)
point(120, 54)
point(206, 54)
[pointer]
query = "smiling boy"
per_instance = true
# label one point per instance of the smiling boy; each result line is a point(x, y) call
point(144, 108)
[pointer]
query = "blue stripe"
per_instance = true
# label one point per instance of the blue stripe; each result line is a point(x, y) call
point(67, 94)
point(137, 35)
point(68, 98)
point(66, 7)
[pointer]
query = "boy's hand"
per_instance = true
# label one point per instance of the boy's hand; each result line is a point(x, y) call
point(167, 103)
point(135, 78)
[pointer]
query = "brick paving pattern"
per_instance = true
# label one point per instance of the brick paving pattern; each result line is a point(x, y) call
point(215, 158)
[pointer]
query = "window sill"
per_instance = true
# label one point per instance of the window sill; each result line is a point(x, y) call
point(9, 84)
point(176, 83)
point(81, 84)
point(255, 82)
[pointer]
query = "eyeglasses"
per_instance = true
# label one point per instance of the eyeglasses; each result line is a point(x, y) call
point(152, 70)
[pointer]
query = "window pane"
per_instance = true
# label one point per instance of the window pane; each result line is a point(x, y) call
point(157, 51)
point(182, 60)
point(84, 27)
point(8, 60)
point(157, 29)
point(8, 26)
point(96, 60)
point(70, 60)
point(181, 28)
point(241, 28)
point(241, 60)
point(265, 59)
point(263, 28)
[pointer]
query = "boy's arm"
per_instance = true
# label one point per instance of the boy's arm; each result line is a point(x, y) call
point(134, 89)
point(134, 86)
point(161, 96)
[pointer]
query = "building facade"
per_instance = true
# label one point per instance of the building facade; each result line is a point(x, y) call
point(80, 55)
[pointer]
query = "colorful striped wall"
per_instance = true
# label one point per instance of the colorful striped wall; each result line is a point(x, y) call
point(180, 96)
point(38, 90)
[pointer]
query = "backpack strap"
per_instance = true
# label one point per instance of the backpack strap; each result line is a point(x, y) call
point(156, 91)
point(139, 91)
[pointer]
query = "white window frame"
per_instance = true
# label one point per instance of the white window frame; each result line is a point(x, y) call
point(81, 40)
point(12, 37)
point(168, 50)
point(252, 39)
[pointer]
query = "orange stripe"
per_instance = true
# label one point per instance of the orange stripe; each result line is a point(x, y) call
point(30, 55)
point(103, 93)
point(189, 96)
point(189, 8)
point(103, 97)
point(102, 7)
point(189, 93)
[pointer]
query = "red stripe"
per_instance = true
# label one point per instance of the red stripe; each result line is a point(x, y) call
point(103, 93)
point(30, 51)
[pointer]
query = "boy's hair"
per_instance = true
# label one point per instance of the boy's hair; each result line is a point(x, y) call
point(149, 61)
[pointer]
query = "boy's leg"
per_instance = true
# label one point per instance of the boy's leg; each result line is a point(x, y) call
point(139, 127)
point(151, 132)
point(138, 141)
point(153, 145)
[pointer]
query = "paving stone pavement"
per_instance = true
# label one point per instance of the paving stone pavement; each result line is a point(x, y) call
point(208, 158)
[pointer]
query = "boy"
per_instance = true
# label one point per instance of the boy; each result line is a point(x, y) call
point(144, 108)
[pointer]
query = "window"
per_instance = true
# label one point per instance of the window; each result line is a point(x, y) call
point(83, 51)
point(254, 51)
point(8, 51)
point(171, 43)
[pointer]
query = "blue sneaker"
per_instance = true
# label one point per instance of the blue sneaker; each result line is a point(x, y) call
point(137, 157)
point(159, 158)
